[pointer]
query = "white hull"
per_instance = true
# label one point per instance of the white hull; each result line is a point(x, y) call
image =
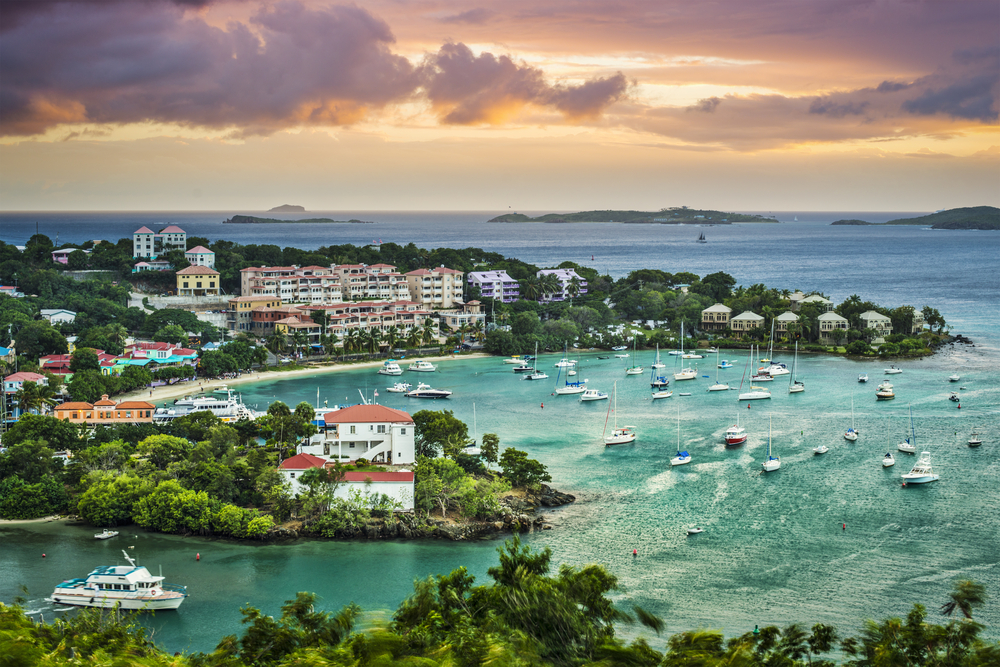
point(771, 466)
point(754, 395)
point(164, 601)
point(796, 389)
point(822, 449)
point(390, 371)
point(619, 439)
point(910, 478)
point(565, 391)
point(686, 375)
point(695, 531)
point(893, 371)
point(719, 387)
point(680, 460)
point(596, 396)
point(422, 370)
point(906, 448)
point(761, 378)
point(692, 356)
point(658, 365)
point(536, 376)
point(634, 371)
point(888, 462)
point(777, 370)
point(662, 394)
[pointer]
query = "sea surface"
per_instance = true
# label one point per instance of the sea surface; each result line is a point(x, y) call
point(774, 549)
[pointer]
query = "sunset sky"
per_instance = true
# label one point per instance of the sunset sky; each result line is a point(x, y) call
point(475, 105)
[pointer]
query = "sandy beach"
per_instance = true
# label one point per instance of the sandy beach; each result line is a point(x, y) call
point(167, 392)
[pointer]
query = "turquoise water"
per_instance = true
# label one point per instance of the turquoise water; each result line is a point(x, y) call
point(774, 550)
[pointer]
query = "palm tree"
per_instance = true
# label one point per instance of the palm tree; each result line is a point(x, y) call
point(392, 337)
point(574, 289)
point(33, 396)
point(413, 336)
point(964, 596)
point(277, 343)
point(374, 340)
point(549, 285)
point(428, 333)
point(477, 331)
point(530, 288)
point(118, 333)
point(300, 340)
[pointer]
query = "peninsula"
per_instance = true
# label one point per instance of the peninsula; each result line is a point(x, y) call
point(253, 220)
point(972, 217)
point(677, 215)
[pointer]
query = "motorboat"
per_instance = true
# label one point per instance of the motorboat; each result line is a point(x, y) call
point(955, 377)
point(565, 363)
point(400, 388)
point(893, 370)
point(536, 375)
point(684, 393)
point(736, 434)
point(390, 367)
point(514, 359)
point(594, 395)
point(621, 356)
point(822, 449)
point(661, 394)
point(524, 367)
point(570, 373)
point(221, 389)
point(772, 462)
point(695, 531)
point(921, 472)
point(888, 460)
point(619, 348)
point(725, 363)
point(228, 409)
point(692, 355)
point(776, 368)
point(619, 436)
point(975, 440)
point(425, 391)
point(421, 366)
point(106, 534)
point(126, 586)
point(863, 377)
point(682, 458)
point(885, 391)
point(954, 398)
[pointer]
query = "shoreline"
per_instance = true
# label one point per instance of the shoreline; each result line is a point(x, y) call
point(182, 389)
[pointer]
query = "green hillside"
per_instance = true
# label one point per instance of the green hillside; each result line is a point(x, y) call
point(666, 216)
point(972, 217)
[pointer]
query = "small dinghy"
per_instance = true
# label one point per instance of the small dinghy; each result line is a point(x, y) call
point(695, 531)
point(106, 534)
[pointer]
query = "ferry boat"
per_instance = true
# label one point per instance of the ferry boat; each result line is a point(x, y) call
point(390, 367)
point(228, 409)
point(128, 586)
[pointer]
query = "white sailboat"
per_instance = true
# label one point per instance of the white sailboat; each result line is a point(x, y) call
point(718, 386)
point(795, 386)
point(635, 369)
point(755, 393)
point(907, 446)
point(772, 462)
point(656, 362)
point(570, 388)
point(685, 373)
point(851, 433)
point(535, 373)
point(619, 436)
point(888, 460)
point(682, 458)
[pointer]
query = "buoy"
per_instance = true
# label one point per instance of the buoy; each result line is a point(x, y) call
point(845, 526)
point(635, 552)
point(756, 630)
point(43, 555)
point(197, 556)
point(959, 406)
point(543, 405)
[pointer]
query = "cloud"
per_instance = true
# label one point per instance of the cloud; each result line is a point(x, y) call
point(477, 16)
point(468, 89)
point(828, 107)
point(707, 105)
point(891, 86)
point(972, 99)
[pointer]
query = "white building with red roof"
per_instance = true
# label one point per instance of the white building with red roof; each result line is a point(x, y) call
point(200, 256)
point(397, 485)
point(147, 243)
point(374, 432)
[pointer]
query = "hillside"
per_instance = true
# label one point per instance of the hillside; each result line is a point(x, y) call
point(852, 221)
point(671, 216)
point(973, 217)
point(253, 220)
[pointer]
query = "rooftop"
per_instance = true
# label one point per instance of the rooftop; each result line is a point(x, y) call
point(367, 413)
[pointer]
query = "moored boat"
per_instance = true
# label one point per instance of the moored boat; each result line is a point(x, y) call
point(885, 391)
point(106, 534)
point(425, 391)
point(400, 388)
point(736, 434)
point(594, 395)
point(772, 462)
point(128, 586)
point(390, 367)
point(921, 472)
point(619, 436)
point(228, 409)
point(893, 370)
point(863, 377)
point(421, 366)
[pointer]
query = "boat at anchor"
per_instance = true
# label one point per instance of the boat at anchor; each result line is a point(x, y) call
point(128, 586)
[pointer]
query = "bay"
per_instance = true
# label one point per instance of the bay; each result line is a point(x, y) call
point(774, 550)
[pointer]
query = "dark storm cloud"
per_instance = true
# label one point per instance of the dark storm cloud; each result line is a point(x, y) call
point(971, 99)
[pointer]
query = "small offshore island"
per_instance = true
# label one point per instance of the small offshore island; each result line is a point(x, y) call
point(253, 220)
point(974, 217)
point(677, 215)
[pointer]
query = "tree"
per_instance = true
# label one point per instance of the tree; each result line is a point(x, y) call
point(109, 499)
point(965, 595)
point(436, 430)
point(321, 484)
point(172, 333)
point(162, 450)
point(521, 471)
point(34, 397)
point(525, 324)
point(490, 447)
point(84, 359)
point(39, 339)
point(58, 434)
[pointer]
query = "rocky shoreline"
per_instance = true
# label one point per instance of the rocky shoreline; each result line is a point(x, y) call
point(519, 515)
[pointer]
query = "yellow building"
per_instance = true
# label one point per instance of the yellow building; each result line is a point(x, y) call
point(198, 281)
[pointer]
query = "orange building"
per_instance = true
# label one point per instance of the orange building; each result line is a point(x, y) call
point(105, 411)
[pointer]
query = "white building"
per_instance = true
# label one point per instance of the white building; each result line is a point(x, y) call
point(715, 318)
point(58, 315)
point(566, 278)
point(746, 321)
point(373, 432)
point(495, 285)
point(200, 256)
point(882, 325)
point(828, 322)
point(397, 485)
point(782, 321)
point(150, 244)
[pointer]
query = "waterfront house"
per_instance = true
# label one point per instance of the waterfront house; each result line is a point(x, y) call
point(435, 288)
point(62, 256)
point(197, 281)
point(374, 432)
point(397, 485)
point(824, 303)
point(58, 315)
point(200, 256)
point(715, 318)
point(566, 280)
point(745, 322)
point(462, 314)
point(495, 285)
point(882, 325)
point(782, 321)
point(918, 321)
point(828, 322)
point(105, 411)
point(149, 244)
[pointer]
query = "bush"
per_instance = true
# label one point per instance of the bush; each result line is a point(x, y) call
point(859, 347)
point(521, 471)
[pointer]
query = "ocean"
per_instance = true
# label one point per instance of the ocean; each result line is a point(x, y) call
point(774, 548)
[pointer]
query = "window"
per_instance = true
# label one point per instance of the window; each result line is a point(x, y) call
point(381, 428)
point(402, 431)
point(351, 445)
point(212, 284)
point(353, 431)
point(185, 284)
point(199, 283)
point(292, 475)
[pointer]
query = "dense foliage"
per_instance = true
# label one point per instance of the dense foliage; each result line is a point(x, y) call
point(526, 615)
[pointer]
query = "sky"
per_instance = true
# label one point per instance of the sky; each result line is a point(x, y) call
point(242, 105)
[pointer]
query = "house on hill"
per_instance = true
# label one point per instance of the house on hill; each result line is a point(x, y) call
point(374, 432)
point(397, 485)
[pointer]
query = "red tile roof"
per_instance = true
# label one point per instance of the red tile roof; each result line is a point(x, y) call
point(201, 249)
point(367, 413)
point(402, 476)
point(74, 405)
point(197, 270)
point(144, 230)
point(134, 405)
point(172, 229)
point(24, 376)
point(302, 462)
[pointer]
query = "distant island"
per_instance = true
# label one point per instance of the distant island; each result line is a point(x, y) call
point(972, 217)
point(678, 215)
point(288, 208)
point(253, 220)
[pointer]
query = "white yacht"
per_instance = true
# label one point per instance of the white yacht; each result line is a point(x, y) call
point(400, 388)
point(893, 370)
point(822, 449)
point(128, 586)
point(661, 394)
point(692, 355)
point(565, 363)
point(594, 395)
point(106, 534)
point(619, 436)
point(228, 409)
point(425, 391)
point(922, 472)
point(888, 461)
point(885, 391)
point(514, 359)
point(390, 367)
point(421, 366)
point(975, 440)
point(954, 377)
